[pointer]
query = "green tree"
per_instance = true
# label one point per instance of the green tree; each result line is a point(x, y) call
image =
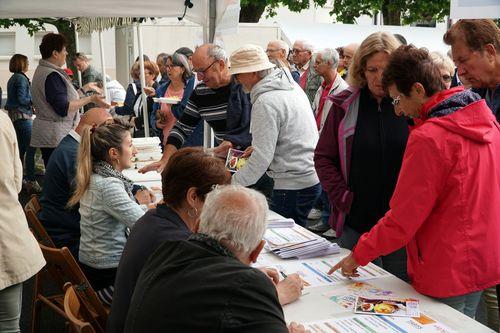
point(395, 12)
point(63, 26)
point(252, 10)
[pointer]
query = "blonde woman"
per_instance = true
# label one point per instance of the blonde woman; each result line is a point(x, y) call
point(360, 149)
point(446, 67)
point(107, 206)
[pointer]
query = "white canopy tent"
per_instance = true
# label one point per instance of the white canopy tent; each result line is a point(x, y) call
point(213, 15)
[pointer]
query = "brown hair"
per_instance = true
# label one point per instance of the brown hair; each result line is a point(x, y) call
point(191, 167)
point(475, 33)
point(94, 146)
point(423, 70)
point(52, 42)
point(135, 71)
point(18, 63)
point(376, 42)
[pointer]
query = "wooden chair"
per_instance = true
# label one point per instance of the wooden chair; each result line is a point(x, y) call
point(76, 311)
point(33, 204)
point(62, 268)
point(38, 229)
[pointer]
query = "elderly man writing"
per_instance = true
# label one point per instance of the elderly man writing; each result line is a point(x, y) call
point(206, 284)
point(284, 134)
point(302, 55)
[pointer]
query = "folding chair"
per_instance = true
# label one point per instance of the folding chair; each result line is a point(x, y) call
point(76, 311)
point(63, 268)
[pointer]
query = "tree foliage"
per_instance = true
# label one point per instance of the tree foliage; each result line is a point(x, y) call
point(252, 10)
point(63, 26)
point(395, 12)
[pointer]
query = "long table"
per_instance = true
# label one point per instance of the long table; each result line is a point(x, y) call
point(314, 305)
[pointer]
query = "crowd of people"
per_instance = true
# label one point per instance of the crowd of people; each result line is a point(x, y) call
point(401, 166)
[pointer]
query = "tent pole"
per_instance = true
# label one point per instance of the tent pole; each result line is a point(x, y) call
point(143, 81)
point(77, 49)
point(103, 67)
point(208, 37)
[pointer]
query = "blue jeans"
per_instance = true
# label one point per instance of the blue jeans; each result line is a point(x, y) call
point(467, 304)
point(10, 308)
point(295, 204)
point(26, 153)
point(394, 263)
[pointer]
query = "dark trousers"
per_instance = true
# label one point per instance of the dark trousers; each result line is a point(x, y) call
point(295, 204)
point(26, 153)
point(394, 263)
point(46, 152)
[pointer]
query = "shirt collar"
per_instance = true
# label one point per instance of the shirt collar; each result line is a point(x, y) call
point(75, 136)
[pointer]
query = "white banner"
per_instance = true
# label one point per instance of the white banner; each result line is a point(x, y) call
point(475, 9)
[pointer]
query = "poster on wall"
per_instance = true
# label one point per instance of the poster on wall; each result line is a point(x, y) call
point(474, 9)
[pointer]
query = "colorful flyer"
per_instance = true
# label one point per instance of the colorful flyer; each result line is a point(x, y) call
point(387, 307)
point(234, 161)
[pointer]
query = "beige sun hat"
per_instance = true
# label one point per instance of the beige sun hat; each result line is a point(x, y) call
point(247, 59)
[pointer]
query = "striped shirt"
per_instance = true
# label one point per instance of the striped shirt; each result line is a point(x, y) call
point(204, 104)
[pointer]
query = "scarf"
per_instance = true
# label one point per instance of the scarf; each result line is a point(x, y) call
point(106, 170)
point(212, 243)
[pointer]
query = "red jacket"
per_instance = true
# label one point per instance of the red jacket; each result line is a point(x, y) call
point(446, 205)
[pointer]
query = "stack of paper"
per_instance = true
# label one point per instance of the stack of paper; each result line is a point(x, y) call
point(298, 242)
point(148, 150)
point(275, 220)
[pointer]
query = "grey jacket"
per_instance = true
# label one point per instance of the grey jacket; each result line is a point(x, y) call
point(284, 134)
point(48, 127)
point(106, 212)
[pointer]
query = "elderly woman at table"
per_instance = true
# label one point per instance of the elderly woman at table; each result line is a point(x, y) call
point(360, 150)
point(445, 206)
point(188, 177)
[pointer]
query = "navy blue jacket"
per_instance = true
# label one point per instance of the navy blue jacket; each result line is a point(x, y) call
point(62, 224)
point(492, 98)
point(19, 94)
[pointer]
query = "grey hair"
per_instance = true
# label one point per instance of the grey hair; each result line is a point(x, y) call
point(330, 55)
point(265, 72)
point(442, 61)
point(181, 59)
point(217, 52)
point(282, 45)
point(236, 215)
point(306, 45)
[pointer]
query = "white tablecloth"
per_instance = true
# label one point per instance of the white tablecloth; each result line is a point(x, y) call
point(315, 306)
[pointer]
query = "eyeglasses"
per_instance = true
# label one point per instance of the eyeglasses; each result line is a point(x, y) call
point(446, 78)
point(171, 66)
point(396, 100)
point(202, 72)
point(272, 50)
point(298, 51)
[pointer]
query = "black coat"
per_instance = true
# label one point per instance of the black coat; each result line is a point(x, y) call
point(199, 286)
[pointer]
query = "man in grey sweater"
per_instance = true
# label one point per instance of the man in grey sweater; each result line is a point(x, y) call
point(284, 134)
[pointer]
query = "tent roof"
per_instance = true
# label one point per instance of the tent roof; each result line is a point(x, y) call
point(104, 8)
point(336, 35)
